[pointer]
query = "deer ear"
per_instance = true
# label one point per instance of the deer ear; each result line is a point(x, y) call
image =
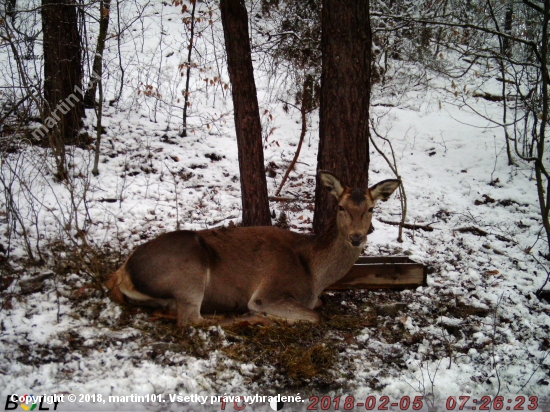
point(384, 189)
point(332, 183)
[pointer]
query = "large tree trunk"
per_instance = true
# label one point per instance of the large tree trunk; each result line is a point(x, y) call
point(246, 112)
point(345, 95)
point(62, 76)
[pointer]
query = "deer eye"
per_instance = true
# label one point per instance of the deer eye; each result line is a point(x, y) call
point(341, 208)
point(371, 210)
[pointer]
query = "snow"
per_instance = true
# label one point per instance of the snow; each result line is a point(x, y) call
point(480, 293)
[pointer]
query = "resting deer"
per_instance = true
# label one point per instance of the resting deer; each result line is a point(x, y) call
point(260, 269)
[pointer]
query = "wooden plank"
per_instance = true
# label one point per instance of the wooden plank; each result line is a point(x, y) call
point(383, 272)
point(367, 260)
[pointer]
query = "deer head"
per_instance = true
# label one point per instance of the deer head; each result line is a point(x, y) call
point(355, 206)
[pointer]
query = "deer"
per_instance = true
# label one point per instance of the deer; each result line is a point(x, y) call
point(257, 272)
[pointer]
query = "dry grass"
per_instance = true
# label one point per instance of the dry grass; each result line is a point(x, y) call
point(316, 356)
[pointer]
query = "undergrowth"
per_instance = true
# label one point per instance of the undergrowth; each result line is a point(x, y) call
point(319, 356)
point(282, 355)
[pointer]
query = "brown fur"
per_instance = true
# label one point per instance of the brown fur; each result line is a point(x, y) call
point(113, 285)
point(259, 269)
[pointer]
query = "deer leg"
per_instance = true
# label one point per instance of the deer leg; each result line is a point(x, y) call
point(251, 318)
point(188, 312)
point(188, 303)
point(172, 313)
point(286, 308)
point(167, 313)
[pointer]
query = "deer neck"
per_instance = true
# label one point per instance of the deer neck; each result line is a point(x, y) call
point(332, 257)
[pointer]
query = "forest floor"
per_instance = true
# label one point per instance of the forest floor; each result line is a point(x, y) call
point(477, 329)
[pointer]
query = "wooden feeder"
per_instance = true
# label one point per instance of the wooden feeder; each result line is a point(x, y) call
point(388, 272)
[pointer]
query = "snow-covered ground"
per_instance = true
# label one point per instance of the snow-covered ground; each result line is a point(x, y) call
point(476, 330)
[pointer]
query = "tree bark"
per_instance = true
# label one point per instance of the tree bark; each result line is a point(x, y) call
point(188, 69)
point(506, 43)
point(246, 112)
point(97, 67)
point(345, 96)
point(540, 169)
point(62, 76)
point(62, 64)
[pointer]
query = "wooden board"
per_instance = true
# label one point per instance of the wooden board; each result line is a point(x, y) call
point(388, 272)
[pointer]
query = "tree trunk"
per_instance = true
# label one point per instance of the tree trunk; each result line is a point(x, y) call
point(540, 169)
point(11, 9)
point(247, 117)
point(345, 95)
point(62, 77)
point(97, 67)
point(508, 17)
point(188, 70)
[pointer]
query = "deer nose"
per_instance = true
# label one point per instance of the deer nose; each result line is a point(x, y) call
point(356, 239)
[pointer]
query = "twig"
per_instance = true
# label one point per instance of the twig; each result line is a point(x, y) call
point(493, 356)
point(471, 229)
point(426, 228)
point(289, 199)
point(393, 167)
point(536, 369)
point(539, 292)
point(303, 115)
point(489, 96)
point(175, 181)
point(14, 108)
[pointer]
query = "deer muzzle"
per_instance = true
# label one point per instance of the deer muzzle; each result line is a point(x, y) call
point(357, 239)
